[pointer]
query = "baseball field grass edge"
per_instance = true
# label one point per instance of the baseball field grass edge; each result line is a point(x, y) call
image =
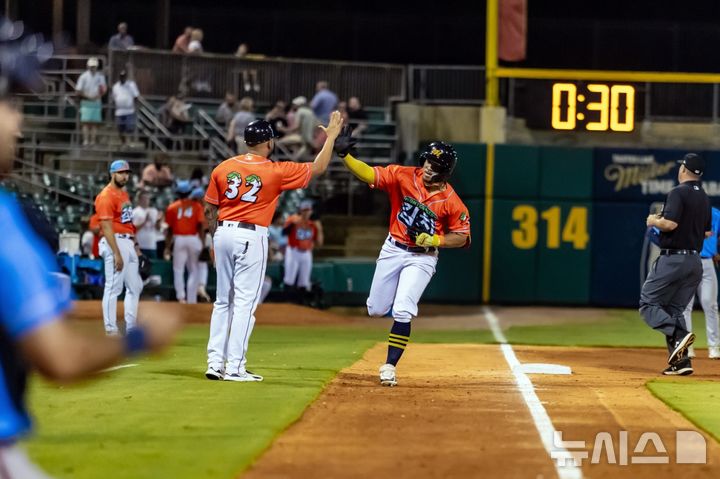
point(693, 399)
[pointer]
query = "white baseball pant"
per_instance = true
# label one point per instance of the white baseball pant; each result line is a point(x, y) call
point(186, 251)
point(240, 261)
point(399, 281)
point(115, 280)
point(298, 267)
point(707, 291)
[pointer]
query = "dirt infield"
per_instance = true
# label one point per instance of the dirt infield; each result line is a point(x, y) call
point(458, 413)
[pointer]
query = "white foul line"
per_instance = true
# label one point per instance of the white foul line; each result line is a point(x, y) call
point(121, 366)
point(540, 416)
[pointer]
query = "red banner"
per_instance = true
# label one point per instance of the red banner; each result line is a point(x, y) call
point(512, 30)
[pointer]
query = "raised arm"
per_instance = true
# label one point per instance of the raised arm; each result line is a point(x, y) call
point(343, 146)
point(322, 160)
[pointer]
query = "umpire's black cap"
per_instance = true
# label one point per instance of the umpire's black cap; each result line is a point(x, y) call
point(259, 131)
point(693, 162)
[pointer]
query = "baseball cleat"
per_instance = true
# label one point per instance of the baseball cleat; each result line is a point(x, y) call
point(246, 377)
point(682, 367)
point(680, 347)
point(714, 352)
point(214, 374)
point(387, 375)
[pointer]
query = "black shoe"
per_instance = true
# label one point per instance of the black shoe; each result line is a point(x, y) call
point(680, 347)
point(214, 374)
point(682, 367)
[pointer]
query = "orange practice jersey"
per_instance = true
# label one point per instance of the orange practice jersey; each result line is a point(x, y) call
point(184, 217)
point(302, 235)
point(114, 204)
point(412, 206)
point(246, 187)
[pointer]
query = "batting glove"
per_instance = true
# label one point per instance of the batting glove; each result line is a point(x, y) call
point(428, 241)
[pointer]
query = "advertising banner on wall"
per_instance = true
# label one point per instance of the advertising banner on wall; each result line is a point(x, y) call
point(646, 175)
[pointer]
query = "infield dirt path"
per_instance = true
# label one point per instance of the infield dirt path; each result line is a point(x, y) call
point(458, 413)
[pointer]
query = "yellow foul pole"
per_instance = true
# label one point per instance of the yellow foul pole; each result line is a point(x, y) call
point(492, 99)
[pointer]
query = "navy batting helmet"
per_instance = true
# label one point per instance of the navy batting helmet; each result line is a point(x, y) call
point(442, 159)
point(259, 131)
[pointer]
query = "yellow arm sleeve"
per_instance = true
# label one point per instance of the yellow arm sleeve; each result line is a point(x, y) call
point(360, 169)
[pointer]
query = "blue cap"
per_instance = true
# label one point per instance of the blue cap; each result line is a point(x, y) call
point(198, 193)
point(183, 186)
point(119, 165)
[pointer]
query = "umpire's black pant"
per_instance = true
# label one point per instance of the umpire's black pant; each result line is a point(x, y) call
point(672, 281)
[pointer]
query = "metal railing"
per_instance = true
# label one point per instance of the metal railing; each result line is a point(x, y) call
point(160, 72)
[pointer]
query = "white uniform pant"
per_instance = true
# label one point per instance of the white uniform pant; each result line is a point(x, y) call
point(399, 281)
point(298, 267)
point(14, 463)
point(186, 251)
point(115, 280)
point(707, 291)
point(240, 261)
point(202, 273)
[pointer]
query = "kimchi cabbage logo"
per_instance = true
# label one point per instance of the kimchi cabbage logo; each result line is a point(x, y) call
point(627, 171)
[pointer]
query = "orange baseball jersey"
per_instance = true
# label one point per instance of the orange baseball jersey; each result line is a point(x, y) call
point(246, 188)
point(302, 235)
point(114, 204)
point(412, 206)
point(184, 217)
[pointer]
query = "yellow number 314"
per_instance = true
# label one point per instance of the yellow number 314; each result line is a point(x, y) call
point(575, 231)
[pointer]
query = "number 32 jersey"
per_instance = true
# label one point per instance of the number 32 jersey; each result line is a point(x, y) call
point(413, 207)
point(246, 188)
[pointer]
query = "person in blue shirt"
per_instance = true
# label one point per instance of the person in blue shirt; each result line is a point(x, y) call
point(33, 301)
point(707, 291)
point(324, 102)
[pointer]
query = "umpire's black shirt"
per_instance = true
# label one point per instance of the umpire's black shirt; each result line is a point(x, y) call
point(689, 207)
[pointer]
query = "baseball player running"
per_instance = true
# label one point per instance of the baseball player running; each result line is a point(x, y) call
point(118, 249)
point(240, 201)
point(707, 291)
point(303, 235)
point(426, 214)
point(186, 228)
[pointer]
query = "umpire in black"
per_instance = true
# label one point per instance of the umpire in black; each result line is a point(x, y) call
point(684, 223)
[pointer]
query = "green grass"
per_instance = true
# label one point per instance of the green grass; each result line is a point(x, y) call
point(622, 329)
point(693, 399)
point(163, 419)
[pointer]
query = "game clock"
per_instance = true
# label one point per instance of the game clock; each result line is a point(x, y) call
point(582, 106)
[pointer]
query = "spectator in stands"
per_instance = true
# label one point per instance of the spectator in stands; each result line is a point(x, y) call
point(242, 118)
point(226, 110)
point(124, 95)
point(157, 173)
point(242, 50)
point(196, 38)
point(182, 42)
point(91, 86)
point(358, 117)
point(175, 113)
point(277, 117)
point(342, 108)
point(300, 133)
point(324, 102)
point(145, 218)
point(121, 40)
